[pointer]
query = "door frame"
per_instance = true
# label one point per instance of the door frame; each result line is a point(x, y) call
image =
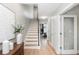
point(74, 51)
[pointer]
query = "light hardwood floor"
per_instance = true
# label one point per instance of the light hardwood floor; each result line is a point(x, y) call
point(43, 51)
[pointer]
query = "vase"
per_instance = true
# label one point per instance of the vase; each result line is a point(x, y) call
point(5, 47)
point(19, 38)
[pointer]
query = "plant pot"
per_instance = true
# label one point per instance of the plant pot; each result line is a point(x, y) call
point(19, 38)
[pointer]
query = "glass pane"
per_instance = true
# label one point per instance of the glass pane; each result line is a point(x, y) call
point(68, 33)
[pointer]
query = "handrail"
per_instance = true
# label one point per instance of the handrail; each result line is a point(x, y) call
point(38, 28)
point(36, 18)
point(38, 33)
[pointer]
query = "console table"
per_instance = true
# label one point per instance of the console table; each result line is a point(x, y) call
point(18, 50)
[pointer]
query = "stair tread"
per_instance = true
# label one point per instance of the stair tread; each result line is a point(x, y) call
point(31, 45)
point(32, 36)
point(32, 31)
point(31, 40)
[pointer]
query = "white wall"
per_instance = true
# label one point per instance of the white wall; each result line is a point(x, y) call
point(7, 19)
point(54, 33)
point(28, 10)
point(19, 16)
point(18, 9)
point(75, 11)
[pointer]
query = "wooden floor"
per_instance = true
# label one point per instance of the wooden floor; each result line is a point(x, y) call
point(43, 51)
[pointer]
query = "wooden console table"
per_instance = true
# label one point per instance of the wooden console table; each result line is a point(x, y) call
point(18, 50)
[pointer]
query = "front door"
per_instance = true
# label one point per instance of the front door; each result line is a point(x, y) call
point(69, 34)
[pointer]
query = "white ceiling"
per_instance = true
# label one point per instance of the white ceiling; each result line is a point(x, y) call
point(50, 9)
point(47, 9)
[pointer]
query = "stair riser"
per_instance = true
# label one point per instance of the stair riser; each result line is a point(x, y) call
point(32, 47)
point(30, 33)
point(34, 30)
point(32, 37)
point(31, 40)
point(31, 43)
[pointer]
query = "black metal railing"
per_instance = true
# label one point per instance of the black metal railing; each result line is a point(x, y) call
point(38, 29)
point(38, 33)
point(36, 11)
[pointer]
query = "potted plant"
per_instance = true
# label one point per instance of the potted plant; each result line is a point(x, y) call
point(18, 33)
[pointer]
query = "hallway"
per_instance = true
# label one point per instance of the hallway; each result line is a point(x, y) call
point(42, 51)
point(31, 42)
point(35, 25)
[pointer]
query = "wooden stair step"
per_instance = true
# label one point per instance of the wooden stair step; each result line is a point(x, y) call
point(32, 37)
point(32, 34)
point(32, 29)
point(31, 45)
point(32, 41)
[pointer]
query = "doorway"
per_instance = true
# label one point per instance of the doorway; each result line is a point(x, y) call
point(69, 34)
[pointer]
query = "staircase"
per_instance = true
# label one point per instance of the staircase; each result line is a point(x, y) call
point(31, 38)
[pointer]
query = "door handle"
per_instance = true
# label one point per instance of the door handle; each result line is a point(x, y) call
point(60, 33)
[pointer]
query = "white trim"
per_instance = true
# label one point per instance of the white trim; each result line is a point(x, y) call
point(59, 34)
point(77, 51)
point(70, 6)
point(74, 51)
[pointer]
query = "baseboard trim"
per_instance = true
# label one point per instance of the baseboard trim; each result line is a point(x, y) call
point(77, 51)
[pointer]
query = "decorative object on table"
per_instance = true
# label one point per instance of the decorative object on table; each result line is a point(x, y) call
point(11, 45)
point(5, 47)
point(19, 38)
point(18, 32)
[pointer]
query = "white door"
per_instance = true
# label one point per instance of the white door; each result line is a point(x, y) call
point(69, 34)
